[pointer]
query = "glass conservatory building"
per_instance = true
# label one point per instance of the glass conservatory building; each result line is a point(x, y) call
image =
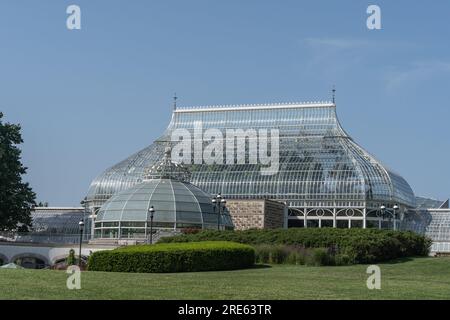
point(324, 177)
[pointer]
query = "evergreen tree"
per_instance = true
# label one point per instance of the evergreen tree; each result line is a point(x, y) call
point(16, 197)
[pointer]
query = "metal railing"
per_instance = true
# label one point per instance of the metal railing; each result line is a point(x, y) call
point(161, 233)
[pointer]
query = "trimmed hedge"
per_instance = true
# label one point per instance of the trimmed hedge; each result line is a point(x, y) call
point(356, 245)
point(175, 257)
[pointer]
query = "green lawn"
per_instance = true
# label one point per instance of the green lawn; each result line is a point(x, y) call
point(419, 278)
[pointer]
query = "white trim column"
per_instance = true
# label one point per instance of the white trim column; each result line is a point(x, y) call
point(334, 217)
point(364, 218)
point(305, 220)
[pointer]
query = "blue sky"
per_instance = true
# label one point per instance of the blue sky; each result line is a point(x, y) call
point(89, 98)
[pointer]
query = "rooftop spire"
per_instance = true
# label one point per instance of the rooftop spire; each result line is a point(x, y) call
point(175, 98)
point(167, 169)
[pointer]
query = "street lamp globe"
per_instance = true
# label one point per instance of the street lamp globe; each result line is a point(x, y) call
point(151, 210)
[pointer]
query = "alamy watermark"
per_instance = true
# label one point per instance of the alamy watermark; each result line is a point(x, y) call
point(73, 21)
point(374, 280)
point(74, 280)
point(374, 20)
point(207, 147)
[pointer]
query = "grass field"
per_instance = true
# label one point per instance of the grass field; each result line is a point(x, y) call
point(418, 278)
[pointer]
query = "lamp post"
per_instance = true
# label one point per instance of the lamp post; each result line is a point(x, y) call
point(218, 199)
point(152, 214)
point(394, 209)
point(382, 211)
point(219, 202)
point(214, 204)
point(84, 204)
point(223, 202)
point(81, 226)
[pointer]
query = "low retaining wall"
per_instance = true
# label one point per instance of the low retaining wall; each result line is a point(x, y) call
point(49, 253)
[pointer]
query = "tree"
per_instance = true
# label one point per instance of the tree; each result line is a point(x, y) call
point(16, 197)
point(42, 204)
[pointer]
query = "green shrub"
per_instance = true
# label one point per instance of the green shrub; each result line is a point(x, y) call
point(295, 254)
point(71, 260)
point(278, 254)
point(294, 258)
point(289, 254)
point(355, 245)
point(176, 257)
point(262, 253)
point(342, 260)
point(319, 257)
point(190, 230)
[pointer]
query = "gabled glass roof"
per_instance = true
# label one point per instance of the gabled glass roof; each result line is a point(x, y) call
point(319, 162)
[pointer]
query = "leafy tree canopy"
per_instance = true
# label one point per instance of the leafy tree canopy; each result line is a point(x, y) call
point(16, 197)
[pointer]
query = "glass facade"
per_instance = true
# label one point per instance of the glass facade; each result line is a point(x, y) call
point(57, 220)
point(323, 174)
point(434, 223)
point(427, 203)
point(56, 225)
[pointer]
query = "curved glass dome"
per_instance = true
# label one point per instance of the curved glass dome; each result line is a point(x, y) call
point(320, 166)
point(177, 205)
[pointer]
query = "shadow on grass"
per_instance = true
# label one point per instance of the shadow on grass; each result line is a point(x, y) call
point(261, 266)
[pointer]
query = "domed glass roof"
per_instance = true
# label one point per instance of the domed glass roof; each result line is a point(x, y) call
point(174, 202)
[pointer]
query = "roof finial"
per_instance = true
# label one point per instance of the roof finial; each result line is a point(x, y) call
point(175, 98)
point(334, 94)
point(167, 153)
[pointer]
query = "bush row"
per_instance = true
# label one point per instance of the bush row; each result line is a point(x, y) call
point(175, 257)
point(289, 254)
point(357, 245)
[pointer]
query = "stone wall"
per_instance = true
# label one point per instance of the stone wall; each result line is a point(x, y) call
point(275, 214)
point(256, 214)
